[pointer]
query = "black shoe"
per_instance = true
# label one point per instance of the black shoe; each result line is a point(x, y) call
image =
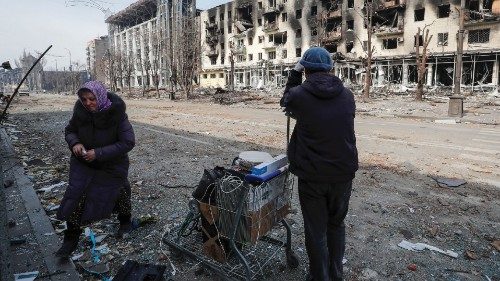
point(69, 245)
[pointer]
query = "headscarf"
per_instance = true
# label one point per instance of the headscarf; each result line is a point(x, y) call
point(100, 93)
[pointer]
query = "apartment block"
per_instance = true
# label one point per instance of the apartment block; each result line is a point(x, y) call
point(97, 49)
point(143, 40)
point(263, 39)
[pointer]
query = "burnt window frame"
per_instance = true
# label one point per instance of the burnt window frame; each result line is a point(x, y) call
point(442, 14)
point(415, 19)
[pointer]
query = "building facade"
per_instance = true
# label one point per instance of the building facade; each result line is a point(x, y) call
point(97, 49)
point(143, 41)
point(265, 38)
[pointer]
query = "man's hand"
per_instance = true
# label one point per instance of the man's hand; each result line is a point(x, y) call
point(89, 156)
point(78, 149)
point(299, 67)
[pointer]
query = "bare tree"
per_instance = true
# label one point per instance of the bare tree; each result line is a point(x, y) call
point(422, 39)
point(231, 71)
point(367, 61)
point(128, 69)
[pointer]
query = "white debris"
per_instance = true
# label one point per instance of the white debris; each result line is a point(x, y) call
point(49, 188)
point(446, 121)
point(422, 246)
point(27, 276)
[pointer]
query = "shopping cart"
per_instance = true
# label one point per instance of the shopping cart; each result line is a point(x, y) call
point(249, 224)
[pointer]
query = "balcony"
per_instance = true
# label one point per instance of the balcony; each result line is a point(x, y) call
point(212, 53)
point(388, 4)
point(211, 25)
point(334, 14)
point(383, 31)
point(240, 50)
point(270, 27)
point(480, 17)
point(332, 36)
point(274, 9)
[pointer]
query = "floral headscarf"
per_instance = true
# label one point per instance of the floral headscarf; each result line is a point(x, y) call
point(100, 93)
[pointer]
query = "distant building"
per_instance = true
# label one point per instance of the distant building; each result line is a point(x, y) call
point(142, 37)
point(9, 79)
point(265, 38)
point(96, 51)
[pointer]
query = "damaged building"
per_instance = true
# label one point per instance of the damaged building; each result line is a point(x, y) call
point(143, 38)
point(263, 39)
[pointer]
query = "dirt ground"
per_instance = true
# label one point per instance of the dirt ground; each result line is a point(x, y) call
point(391, 201)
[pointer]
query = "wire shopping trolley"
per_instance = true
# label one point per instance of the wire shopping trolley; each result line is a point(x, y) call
point(237, 229)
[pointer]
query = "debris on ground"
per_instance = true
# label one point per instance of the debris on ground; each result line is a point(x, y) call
point(449, 182)
point(422, 246)
point(27, 276)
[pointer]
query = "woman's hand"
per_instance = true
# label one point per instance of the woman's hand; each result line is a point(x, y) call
point(89, 156)
point(78, 149)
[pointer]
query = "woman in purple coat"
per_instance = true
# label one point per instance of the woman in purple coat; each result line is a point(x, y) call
point(99, 136)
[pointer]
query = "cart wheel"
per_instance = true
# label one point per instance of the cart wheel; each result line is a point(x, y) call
point(292, 260)
point(176, 255)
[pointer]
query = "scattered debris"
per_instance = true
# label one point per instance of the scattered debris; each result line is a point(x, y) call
point(422, 246)
point(471, 255)
point(49, 188)
point(496, 244)
point(412, 267)
point(27, 276)
point(133, 270)
point(449, 182)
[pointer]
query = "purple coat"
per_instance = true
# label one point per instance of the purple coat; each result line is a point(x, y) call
point(111, 135)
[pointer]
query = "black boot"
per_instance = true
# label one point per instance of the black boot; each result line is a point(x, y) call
point(126, 225)
point(70, 242)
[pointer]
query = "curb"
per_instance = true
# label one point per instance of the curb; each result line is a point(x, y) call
point(38, 228)
point(426, 118)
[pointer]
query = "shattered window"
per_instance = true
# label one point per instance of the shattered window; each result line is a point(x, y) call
point(444, 11)
point(250, 41)
point(314, 10)
point(221, 17)
point(420, 41)
point(259, 22)
point(250, 57)
point(260, 5)
point(261, 39)
point(298, 14)
point(443, 39)
point(284, 17)
point(284, 54)
point(350, 24)
point(391, 43)
point(419, 14)
point(298, 34)
point(271, 55)
point(298, 52)
point(349, 46)
point(350, 3)
point(479, 36)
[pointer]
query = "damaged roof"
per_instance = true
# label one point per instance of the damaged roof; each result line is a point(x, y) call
point(139, 11)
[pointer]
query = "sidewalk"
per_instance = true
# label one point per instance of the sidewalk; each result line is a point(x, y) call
point(27, 238)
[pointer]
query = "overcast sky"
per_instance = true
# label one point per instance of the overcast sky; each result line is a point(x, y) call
point(68, 25)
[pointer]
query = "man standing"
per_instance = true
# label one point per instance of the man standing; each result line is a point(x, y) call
point(323, 155)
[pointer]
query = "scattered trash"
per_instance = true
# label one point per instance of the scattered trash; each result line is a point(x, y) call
point(77, 257)
point(471, 255)
point(100, 238)
point(133, 270)
point(412, 267)
point(49, 188)
point(449, 182)
point(146, 219)
point(446, 121)
point(103, 249)
point(52, 207)
point(422, 246)
point(496, 244)
point(27, 276)
point(17, 241)
point(46, 275)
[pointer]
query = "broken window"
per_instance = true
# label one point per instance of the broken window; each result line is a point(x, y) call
point(298, 14)
point(259, 22)
point(259, 4)
point(420, 41)
point(221, 75)
point(298, 34)
point(349, 46)
point(222, 58)
point(271, 55)
point(221, 16)
point(390, 43)
point(221, 30)
point(229, 15)
point(284, 17)
point(350, 24)
point(260, 56)
point(419, 14)
point(213, 60)
point(298, 52)
point(280, 38)
point(444, 11)
point(284, 54)
point(261, 39)
point(250, 41)
point(272, 3)
point(212, 75)
point(271, 38)
point(229, 28)
point(350, 4)
point(314, 32)
point(205, 76)
point(240, 58)
point(479, 36)
point(314, 10)
point(250, 57)
point(212, 19)
point(331, 48)
point(443, 39)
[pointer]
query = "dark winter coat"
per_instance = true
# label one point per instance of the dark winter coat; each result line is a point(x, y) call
point(323, 145)
point(111, 135)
